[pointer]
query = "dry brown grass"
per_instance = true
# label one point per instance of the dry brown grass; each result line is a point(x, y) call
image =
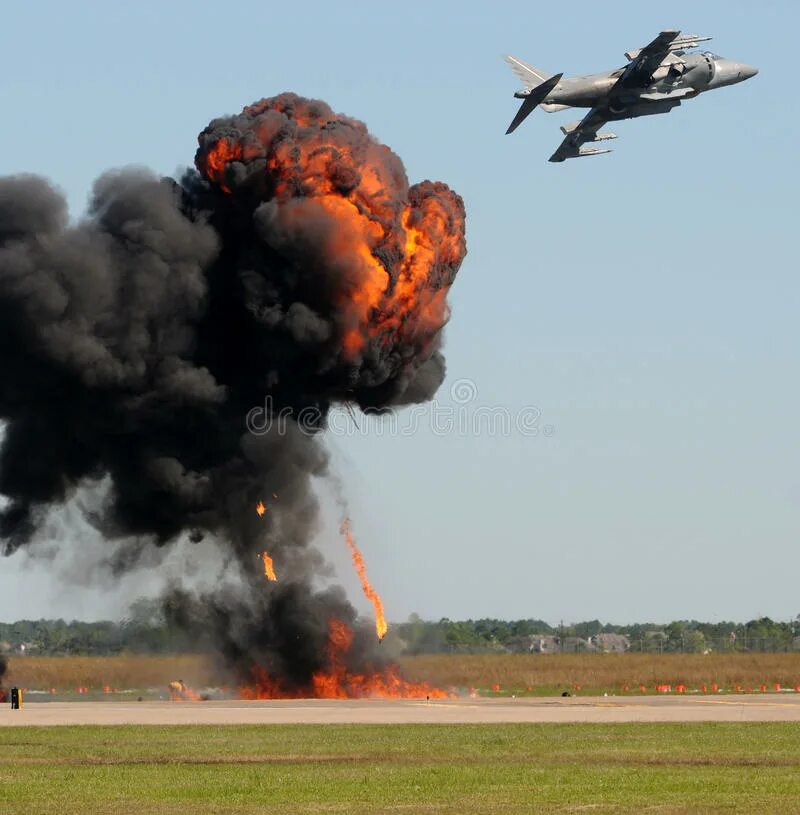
point(510, 671)
point(604, 670)
point(69, 673)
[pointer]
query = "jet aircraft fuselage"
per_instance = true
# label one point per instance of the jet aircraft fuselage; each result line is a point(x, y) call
point(656, 79)
point(700, 72)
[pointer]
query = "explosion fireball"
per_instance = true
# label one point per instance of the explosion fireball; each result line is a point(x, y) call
point(295, 269)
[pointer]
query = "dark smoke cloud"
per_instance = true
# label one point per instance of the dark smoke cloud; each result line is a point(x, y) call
point(134, 343)
point(284, 632)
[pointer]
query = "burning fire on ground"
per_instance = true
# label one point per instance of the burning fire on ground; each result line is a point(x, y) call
point(338, 681)
point(179, 691)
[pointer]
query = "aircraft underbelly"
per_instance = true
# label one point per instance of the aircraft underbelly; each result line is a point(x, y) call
point(643, 108)
point(582, 91)
point(582, 98)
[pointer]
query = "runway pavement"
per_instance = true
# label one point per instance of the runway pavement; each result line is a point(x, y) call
point(721, 708)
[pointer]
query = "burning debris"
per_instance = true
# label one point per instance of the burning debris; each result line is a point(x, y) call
point(361, 570)
point(179, 691)
point(260, 509)
point(269, 569)
point(295, 269)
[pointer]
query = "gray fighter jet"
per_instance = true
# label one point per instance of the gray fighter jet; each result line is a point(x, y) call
point(656, 79)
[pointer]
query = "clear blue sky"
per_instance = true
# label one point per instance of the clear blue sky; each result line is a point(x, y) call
point(645, 302)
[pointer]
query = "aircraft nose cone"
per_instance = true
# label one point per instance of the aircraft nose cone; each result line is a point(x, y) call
point(747, 71)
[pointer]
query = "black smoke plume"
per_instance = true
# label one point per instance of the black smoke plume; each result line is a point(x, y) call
point(294, 270)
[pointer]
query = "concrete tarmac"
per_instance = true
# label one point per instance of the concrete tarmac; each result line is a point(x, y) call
point(720, 708)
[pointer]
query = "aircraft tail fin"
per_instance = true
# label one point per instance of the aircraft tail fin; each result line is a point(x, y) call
point(533, 98)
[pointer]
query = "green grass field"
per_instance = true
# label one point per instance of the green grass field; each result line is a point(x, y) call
point(458, 769)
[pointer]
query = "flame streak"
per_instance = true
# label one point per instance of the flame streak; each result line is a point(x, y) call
point(337, 682)
point(361, 570)
point(269, 569)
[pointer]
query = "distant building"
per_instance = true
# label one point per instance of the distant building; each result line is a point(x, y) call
point(610, 643)
point(544, 644)
point(552, 644)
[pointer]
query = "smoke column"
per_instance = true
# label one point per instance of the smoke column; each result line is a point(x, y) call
point(294, 269)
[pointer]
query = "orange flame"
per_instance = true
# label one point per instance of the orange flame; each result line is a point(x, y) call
point(337, 682)
point(370, 593)
point(179, 692)
point(217, 159)
point(269, 569)
point(260, 508)
point(399, 247)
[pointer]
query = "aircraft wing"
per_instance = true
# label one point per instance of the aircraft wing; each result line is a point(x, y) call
point(584, 131)
point(644, 61)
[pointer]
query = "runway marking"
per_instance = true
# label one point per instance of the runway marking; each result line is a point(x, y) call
point(676, 701)
point(748, 704)
point(452, 706)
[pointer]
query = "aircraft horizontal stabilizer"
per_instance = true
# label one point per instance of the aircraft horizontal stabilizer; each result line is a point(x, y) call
point(536, 96)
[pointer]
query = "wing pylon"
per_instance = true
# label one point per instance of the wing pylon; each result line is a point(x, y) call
point(577, 134)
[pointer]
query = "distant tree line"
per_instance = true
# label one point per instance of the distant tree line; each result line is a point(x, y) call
point(680, 636)
point(146, 630)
